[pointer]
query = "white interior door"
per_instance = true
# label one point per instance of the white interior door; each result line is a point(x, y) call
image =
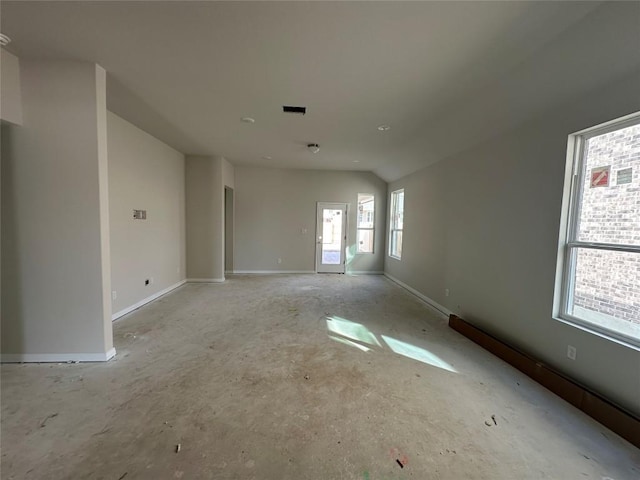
point(331, 237)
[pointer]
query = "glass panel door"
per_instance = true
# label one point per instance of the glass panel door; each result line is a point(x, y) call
point(331, 241)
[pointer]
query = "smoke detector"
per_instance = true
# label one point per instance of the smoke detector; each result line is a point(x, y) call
point(4, 40)
point(313, 147)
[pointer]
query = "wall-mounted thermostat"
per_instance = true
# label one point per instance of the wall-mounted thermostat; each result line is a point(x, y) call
point(140, 214)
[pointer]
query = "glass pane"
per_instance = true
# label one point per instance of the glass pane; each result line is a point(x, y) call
point(606, 291)
point(400, 213)
point(331, 236)
point(610, 203)
point(365, 210)
point(396, 243)
point(365, 241)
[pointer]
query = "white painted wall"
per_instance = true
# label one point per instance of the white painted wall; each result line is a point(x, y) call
point(485, 224)
point(274, 205)
point(10, 90)
point(144, 174)
point(205, 217)
point(228, 174)
point(55, 229)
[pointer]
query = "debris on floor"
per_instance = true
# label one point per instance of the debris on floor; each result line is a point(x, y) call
point(448, 451)
point(400, 458)
point(123, 475)
point(493, 417)
point(101, 432)
point(487, 423)
point(44, 422)
point(306, 377)
point(178, 447)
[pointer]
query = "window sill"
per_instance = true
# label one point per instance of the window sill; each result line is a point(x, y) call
point(602, 332)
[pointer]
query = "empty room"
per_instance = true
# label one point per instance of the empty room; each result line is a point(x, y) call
point(320, 240)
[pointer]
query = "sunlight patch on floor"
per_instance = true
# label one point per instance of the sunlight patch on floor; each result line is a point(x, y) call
point(417, 353)
point(352, 330)
point(349, 342)
point(359, 336)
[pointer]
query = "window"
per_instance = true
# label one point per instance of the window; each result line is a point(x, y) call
point(600, 249)
point(396, 223)
point(366, 215)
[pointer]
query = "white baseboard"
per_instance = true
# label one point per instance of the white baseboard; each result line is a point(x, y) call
point(274, 272)
point(441, 310)
point(151, 298)
point(205, 280)
point(57, 357)
point(269, 272)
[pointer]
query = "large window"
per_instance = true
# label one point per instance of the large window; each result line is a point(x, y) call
point(396, 224)
point(600, 256)
point(365, 227)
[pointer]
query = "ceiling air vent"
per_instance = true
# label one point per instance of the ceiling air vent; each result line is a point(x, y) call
point(291, 109)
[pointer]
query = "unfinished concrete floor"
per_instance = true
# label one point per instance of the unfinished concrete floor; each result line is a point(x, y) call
point(295, 377)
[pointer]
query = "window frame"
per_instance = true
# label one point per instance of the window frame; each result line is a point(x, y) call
point(370, 229)
point(570, 244)
point(392, 222)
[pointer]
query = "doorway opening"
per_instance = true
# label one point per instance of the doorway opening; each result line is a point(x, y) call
point(228, 230)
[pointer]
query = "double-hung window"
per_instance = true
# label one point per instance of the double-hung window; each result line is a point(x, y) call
point(600, 244)
point(396, 224)
point(366, 220)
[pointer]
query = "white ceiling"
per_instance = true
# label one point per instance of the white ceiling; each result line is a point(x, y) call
point(443, 75)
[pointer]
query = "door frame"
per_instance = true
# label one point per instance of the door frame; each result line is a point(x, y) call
point(341, 268)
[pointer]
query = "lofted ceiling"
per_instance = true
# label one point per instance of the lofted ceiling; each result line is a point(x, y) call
point(442, 75)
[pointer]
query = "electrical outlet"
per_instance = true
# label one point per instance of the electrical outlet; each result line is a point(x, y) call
point(114, 295)
point(279, 261)
point(446, 292)
point(571, 352)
